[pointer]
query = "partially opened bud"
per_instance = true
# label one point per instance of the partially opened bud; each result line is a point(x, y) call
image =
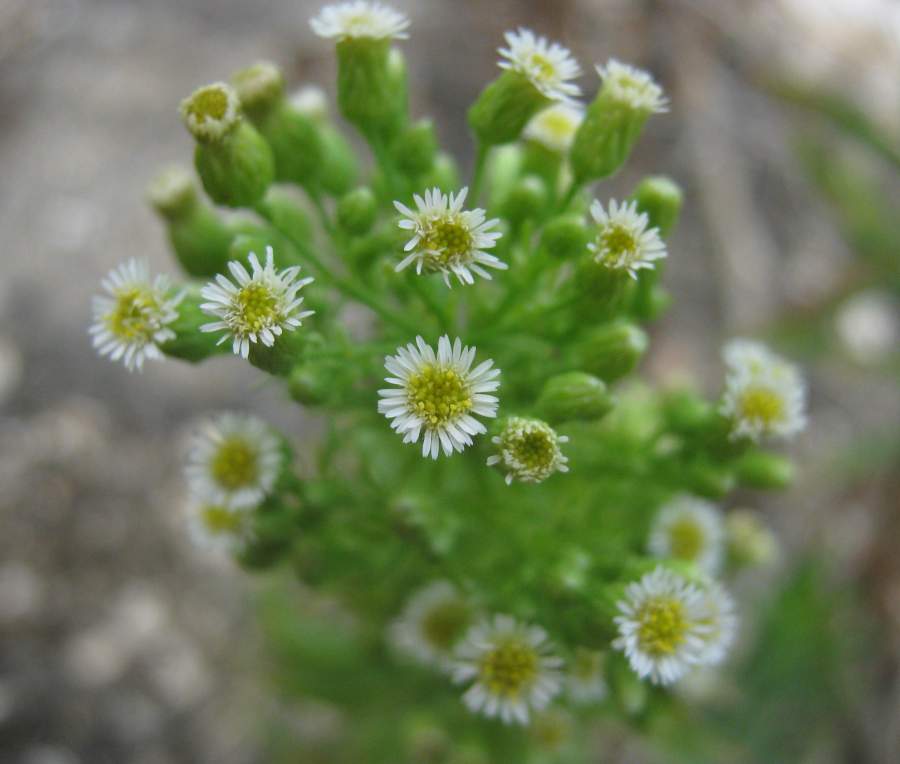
point(574, 395)
point(233, 160)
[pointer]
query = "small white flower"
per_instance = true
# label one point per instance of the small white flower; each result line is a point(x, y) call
point(633, 87)
point(750, 540)
point(258, 307)
point(689, 529)
point(131, 319)
point(764, 394)
point(433, 621)
point(219, 528)
point(548, 66)
point(233, 461)
point(211, 112)
point(529, 450)
point(555, 127)
point(661, 626)
point(448, 239)
point(360, 18)
point(720, 620)
point(511, 667)
point(585, 682)
point(623, 239)
point(438, 394)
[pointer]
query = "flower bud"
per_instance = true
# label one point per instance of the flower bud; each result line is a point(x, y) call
point(613, 121)
point(232, 159)
point(751, 542)
point(687, 413)
point(282, 208)
point(309, 384)
point(367, 82)
point(660, 198)
point(504, 108)
point(708, 479)
point(416, 148)
point(574, 395)
point(565, 237)
point(357, 210)
point(605, 292)
point(339, 169)
point(292, 135)
point(189, 343)
point(612, 351)
point(281, 357)
point(527, 199)
point(763, 469)
point(444, 174)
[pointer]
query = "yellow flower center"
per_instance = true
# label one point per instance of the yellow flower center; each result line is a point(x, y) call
point(542, 67)
point(444, 624)
point(448, 239)
point(686, 539)
point(534, 448)
point(256, 307)
point(235, 464)
point(508, 668)
point(222, 521)
point(762, 405)
point(208, 103)
point(618, 242)
point(586, 664)
point(438, 395)
point(131, 317)
point(662, 626)
point(558, 124)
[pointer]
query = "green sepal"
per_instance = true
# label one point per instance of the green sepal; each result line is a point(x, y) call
point(504, 107)
point(574, 395)
point(237, 170)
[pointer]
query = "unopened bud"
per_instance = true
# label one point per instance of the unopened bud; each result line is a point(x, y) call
point(660, 198)
point(504, 108)
point(415, 148)
point(612, 351)
point(764, 469)
point(565, 237)
point(527, 199)
point(574, 395)
point(357, 210)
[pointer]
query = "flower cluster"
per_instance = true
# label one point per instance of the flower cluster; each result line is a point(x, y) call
point(546, 545)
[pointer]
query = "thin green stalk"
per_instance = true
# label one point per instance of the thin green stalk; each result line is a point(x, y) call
point(439, 309)
point(478, 176)
point(574, 188)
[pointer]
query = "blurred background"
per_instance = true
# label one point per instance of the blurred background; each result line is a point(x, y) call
point(120, 643)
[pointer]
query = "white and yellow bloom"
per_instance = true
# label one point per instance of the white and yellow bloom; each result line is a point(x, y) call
point(448, 239)
point(360, 18)
point(529, 450)
point(131, 320)
point(219, 528)
point(548, 66)
point(211, 112)
point(689, 529)
point(511, 667)
point(432, 623)
point(764, 394)
point(233, 461)
point(258, 306)
point(661, 626)
point(585, 681)
point(632, 87)
point(438, 395)
point(623, 239)
point(554, 128)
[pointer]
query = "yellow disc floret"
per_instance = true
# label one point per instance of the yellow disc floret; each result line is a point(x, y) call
point(447, 239)
point(256, 307)
point(445, 623)
point(686, 539)
point(133, 316)
point(438, 395)
point(761, 404)
point(508, 668)
point(662, 626)
point(235, 464)
point(222, 521)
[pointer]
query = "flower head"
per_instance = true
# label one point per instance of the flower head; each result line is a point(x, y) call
point(661, 626)
point(438, 394)
point(433, 621)
point(548, 66)
point(511, 667)
point(360, 18)
point(764, 394)
point(448, 239)
point(689, 529)
point(233, 461)
point(211, 112)
point(529, 450)
point(632, 87)
point(219, 527)
point(623, 239)
point(258, 307)
point(555, 127)
point(585, 682)
point(131, 320)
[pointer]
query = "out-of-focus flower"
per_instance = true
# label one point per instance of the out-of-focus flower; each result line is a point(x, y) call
point(529, 450)
point(554, 127)
point(547, 65)
point(689, 529)
point(624, 240)
point(360, 18)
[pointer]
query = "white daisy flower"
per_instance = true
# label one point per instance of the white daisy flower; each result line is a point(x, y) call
point(258, 307)
point(633, 87)
point(720, 619)
point(219, 528)
point(448, 239)
point(131, 319)
point(585, 682)
point(360, 18)
point(661, 626)
point(554, 128)
point(438, 394)
point(529, 450)
point(764, 394)
point(233, 461)
point(433, 621)
point(548, 66)
point(623, 239)
point(689, 529)
point(511, 667)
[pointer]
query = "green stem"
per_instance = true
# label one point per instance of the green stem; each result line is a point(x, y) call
point(574, 188)
point(385, 164)
point(478, 176)
point(439, 309)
